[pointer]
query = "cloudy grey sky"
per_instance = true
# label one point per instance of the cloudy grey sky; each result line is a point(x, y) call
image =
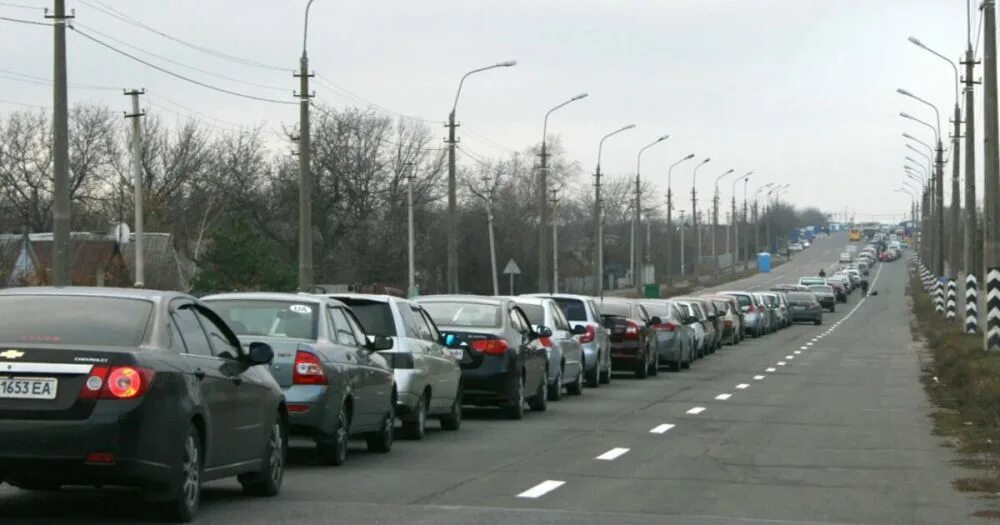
point(799, 91)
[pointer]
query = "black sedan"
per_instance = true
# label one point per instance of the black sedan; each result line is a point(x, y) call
point(505, 363)
point(805, 307)
point(147, 389)
point(631, 337)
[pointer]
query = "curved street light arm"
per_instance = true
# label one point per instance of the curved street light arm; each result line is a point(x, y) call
point(600, 145)
point(508, 63)
point(545, 123)
point(954, 67)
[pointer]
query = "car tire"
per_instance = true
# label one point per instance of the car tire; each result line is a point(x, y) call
point(267, 482)
point(183, 505)
point(606, 376)
point(555, 389)
point(453, 421)
point(833, 309)
point(576, 387)
point(380, 441)
point(641, 367)
point(333, 451)
point(415, 427)
point(515, 406)
point(540, 401)
point(818, 322)
point(655, 369)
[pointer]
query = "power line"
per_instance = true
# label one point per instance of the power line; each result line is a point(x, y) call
point(328, 84)
point(112, 12)
point(22, 6)
point(3, 101)
point(178, 75)
point(22, 21)
point(43, 81)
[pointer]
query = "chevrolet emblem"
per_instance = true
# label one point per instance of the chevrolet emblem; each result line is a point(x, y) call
point(12, 354)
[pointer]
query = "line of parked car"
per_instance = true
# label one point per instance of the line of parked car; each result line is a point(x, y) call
point(163, 391)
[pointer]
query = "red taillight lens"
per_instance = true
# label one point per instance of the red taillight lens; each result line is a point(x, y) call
point(546, 342)
point(308, 369)
point(631, 330)
point(490, 346)
point(589, 336)
point(668, 326)
point(117, 382)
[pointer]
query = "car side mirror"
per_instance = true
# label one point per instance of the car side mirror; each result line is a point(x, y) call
point(543, 331)
point(260, 354)
point(578, 330)
point(451, 341)
point(655, 320)
point(379, 342)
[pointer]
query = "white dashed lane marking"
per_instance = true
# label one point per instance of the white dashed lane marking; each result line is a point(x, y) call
point(770, 370)
point(758, 378)
point(781, 363)
point(541, 489)
point(613, 454)
point(696, 410)
point(723, 397)
point(742, 386)
point(661, 429)
point(798, 352)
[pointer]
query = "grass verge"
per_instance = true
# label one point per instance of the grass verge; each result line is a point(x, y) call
point(963, 381)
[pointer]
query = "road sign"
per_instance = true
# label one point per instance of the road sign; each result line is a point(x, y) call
point(511, 268)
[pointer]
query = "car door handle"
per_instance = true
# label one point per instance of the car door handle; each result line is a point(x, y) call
point(199, 373)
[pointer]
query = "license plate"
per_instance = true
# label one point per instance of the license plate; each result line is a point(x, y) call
point(457, 353)
point(799, 307)
point(28, 387)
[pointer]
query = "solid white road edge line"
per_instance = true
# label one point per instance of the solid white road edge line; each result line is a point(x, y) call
point(541, 489)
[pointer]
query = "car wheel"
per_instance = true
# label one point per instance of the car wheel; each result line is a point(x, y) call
point(334, 451)
point(675, 366)
point(515, 406)
point(833, 309)
point(655, 369)
point(593, 377)
point(606, 375)
point(641, 367)
point(576, 387)
point(267, 482)
point(187, 492)
point(555, 389)
point(453, 421)
point(818, 322)
point(540, 401)
point(416, 426)
point(380, 441)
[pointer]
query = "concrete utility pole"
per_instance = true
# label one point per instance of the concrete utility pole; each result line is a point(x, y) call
point(682, 242)
point(411, 265)
point(452, 274)
point(543, 187)
point(670, 213)
point(746, 235)
point(60, 150)
point(555, 241)
point(991, 192)
point(305, 173)
point(637, 218)
point(971, 256)
point(694, 215)
point(493, 248)
point(715, 226)
point(598, 219)
point(137, 183)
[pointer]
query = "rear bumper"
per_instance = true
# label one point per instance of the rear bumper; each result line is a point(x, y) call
point(491, 383)
point(624, 355)
point(669, 348)
point(807, 316)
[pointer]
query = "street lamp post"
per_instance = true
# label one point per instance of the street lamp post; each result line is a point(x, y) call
point(637, 218)
point(937, 252)
point(715, 225)
point(670, 229)
point(736, 220)
point(694, 218)
point(543, 176)
point(305, 174)
point(452, 184)
point(598, 219)
point(756, 220)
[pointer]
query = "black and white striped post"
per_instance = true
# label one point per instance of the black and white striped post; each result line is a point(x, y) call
point(938, 294)
point(993, 310)
point(971, 304)
point(951, 304)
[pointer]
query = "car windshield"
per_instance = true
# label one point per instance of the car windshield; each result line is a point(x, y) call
point(73, 320)
point(459, 313)
point(375, 316)
point(269, 318)
point(573, 309)
point(616, 309)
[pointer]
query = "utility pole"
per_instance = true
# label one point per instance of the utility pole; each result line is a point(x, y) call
point(991, 166)
point(682, 242)
point(305, 174)
point(493, 248)
point(60, 147)
point(756, 229)
point(598, 237)
point(555, 241)
point(736, 236)
point(972, 251)
point(670, 237)
point(543, 219)
point(939, 217)
point(955, 241)
point(715, 226)
point(452, 273)
point(137, 183)
point(411, 272)
point(694, 228)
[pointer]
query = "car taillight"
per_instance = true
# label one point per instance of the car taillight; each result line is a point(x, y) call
point(589, 335)
point(490, 346)
point(668, 326)
point(308, 369)
point(117, 382)
point(631, 330)
point(545, 341)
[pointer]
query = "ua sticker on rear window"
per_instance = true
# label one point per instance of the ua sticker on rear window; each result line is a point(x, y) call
point(300, 309)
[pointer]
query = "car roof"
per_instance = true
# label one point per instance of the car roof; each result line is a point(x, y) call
point(93, 291)
point(559, 296)
point(465, 298)
point(537, 301)
point(375, 298)
point(273, 296)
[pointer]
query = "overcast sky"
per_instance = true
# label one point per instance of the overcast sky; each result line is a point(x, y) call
point(798, 91)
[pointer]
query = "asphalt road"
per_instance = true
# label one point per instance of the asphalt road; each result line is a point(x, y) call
point(814, 424)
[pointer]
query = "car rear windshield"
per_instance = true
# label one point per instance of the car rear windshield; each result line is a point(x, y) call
point(268, 318)
point(743, 299)
point(801, 297)
point(573, 309)
point(660, 310)
point(73, 320)
point(479, 315)
point(535, 313)
point(618, 309)
point(375, 316)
